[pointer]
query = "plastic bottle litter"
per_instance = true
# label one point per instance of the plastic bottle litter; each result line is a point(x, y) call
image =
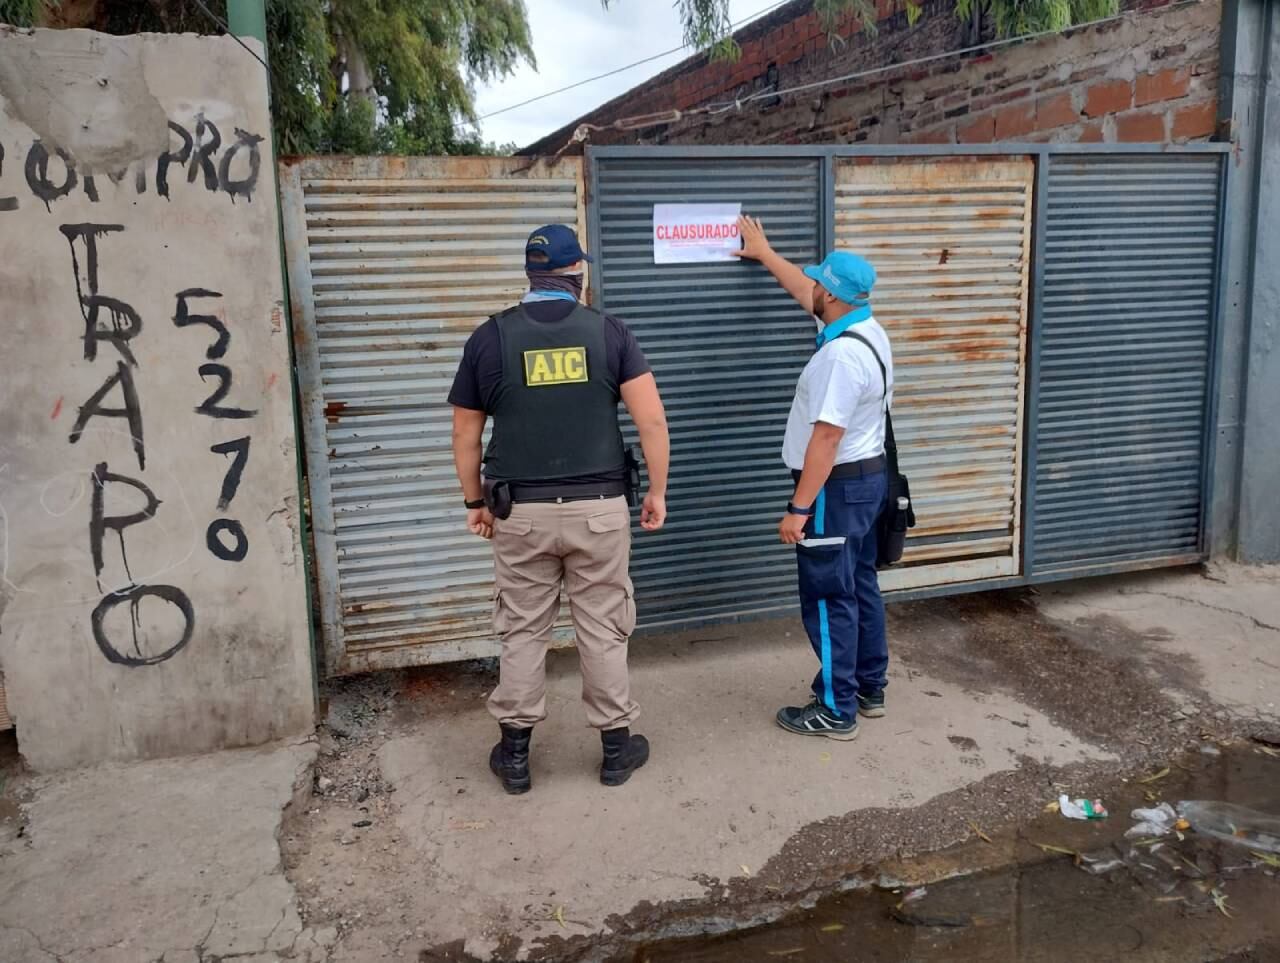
point(1152, 822)
point(1233, 824)
point(1081, 808)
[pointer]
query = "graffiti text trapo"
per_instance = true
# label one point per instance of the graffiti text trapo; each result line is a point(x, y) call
point(111, 329)
point(199, 153)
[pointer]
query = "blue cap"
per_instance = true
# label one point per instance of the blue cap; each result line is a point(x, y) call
point(559, 243)
point(849, 277)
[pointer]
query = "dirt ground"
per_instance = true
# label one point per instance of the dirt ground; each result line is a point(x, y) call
point(386, 838)
point(998, 702)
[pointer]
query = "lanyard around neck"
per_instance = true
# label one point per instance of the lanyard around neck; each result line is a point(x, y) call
point(839, 327)
point(548, 296)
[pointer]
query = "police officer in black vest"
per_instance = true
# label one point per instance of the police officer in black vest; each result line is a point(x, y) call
point(553, 496)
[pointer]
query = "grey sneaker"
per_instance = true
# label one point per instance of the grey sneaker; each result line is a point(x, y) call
point(871, 705)
point(815, 719)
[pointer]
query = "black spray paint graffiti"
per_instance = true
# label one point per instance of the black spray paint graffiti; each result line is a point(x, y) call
point(99, 523)
point(112, 321)
point(235, 545)
point(125, 325)
point(6, 203)
point(233, 168)
point(183, 318)
point(133, 595)
point(231, 481)
point(239, 547)
point(93, 407)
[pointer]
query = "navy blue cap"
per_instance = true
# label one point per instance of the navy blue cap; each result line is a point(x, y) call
point(559, 243)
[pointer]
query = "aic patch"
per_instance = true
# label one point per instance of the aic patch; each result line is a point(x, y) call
point(555, 366)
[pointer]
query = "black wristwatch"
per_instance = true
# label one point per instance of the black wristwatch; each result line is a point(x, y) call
point(793, 509)
point(472, 506)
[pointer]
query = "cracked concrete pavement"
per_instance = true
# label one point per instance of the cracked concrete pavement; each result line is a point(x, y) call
point(1224, 622)
point(997, 700)
point(174, 860)
point(994, 699)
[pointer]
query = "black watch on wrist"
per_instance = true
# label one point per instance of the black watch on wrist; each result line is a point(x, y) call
point(472, 506)
point(793, 509)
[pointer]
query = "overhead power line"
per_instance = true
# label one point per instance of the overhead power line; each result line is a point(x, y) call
point(609, 73)
point(716, 108)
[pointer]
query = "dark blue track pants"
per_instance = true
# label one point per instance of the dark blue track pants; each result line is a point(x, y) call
point(839, 593)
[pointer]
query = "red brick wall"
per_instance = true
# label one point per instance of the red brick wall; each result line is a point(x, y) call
point(1151, 76)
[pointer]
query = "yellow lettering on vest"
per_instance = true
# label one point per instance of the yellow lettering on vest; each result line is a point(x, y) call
point(555, 366)
point(541, 373)
point(575, 365)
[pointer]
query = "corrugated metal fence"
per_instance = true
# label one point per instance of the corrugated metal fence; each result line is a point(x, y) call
point(722, 340)
point(392, 264)
point(1103, 409)
point(1130, 256)
point(950, 240)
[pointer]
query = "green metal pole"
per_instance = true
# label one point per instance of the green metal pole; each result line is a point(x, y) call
point(248, 18)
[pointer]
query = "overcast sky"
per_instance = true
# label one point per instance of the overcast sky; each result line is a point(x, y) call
point(576, 39)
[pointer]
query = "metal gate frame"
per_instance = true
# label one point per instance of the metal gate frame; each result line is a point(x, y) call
point(461, 174)
point(339, 661)
point(1041, 155)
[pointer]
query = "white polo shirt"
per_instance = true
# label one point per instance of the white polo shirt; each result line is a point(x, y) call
point(841, 385)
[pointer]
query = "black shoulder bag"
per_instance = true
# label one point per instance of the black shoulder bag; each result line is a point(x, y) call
point(892, 525)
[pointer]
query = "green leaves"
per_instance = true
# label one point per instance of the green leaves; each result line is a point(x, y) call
point(20, 13)
point(395, 76)
point(707, 25)
point(1013, 18)
point(357, 76)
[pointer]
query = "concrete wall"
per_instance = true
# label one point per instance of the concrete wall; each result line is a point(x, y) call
point(152, 598)
point(1151, 76)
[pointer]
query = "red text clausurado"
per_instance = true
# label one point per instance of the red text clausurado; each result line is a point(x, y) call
point(694, 232)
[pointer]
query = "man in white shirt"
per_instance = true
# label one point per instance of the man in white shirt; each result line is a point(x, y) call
point(834, 447)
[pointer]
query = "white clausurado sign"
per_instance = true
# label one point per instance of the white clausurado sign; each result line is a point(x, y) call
point(695, 233)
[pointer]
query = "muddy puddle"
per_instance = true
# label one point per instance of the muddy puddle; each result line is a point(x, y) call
point(1052, 889)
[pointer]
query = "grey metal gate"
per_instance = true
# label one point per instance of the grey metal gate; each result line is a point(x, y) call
point(1071, 437)
point(1121, 375)
point(722, 339)
point(952, 242)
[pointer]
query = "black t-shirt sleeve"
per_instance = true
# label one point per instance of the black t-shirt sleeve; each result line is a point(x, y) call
point(624, 351)
point(466, 391)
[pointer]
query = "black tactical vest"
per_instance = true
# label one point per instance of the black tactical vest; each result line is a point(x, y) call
point(555, 414)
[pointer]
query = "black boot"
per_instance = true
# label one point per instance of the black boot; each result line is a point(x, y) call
point(623, 755)
point(510, 760)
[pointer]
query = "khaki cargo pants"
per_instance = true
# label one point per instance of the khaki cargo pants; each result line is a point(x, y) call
point(586, 545)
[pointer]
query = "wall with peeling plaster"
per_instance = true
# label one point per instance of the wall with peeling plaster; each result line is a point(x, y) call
point(152, 597)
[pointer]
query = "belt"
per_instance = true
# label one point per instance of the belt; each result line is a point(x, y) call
point(567, 493)
point(852, 469)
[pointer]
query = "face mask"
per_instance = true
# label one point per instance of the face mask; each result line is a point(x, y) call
point(551, 281)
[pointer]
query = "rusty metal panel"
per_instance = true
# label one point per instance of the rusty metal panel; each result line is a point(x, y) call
point(392, 263)
point(950, 240)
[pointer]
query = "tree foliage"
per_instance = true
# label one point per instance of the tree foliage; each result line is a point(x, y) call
point(396, 76)
point(20, 13)
point(708, 25)
point(347, 76)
